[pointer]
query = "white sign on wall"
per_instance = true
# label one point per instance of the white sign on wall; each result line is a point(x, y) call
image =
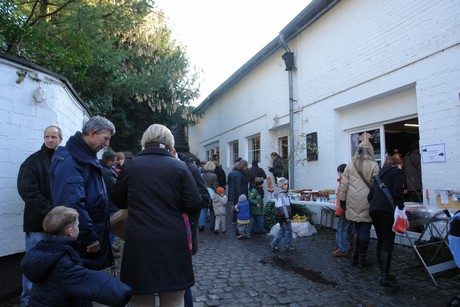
point(433, 153)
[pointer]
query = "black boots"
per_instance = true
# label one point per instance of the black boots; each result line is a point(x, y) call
point(386, 280)
point(362, 253)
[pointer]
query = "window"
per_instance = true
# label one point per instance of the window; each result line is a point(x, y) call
point(312, 146)
point(234, 152)
point(254, 148)
point(212, 150)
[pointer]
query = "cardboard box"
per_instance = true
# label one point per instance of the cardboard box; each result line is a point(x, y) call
point(118, 223)
point(451, 205)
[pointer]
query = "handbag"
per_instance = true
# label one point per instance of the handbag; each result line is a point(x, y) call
point(401, 223)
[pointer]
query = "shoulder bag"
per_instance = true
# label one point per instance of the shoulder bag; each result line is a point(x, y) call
point(361, 175)
point(385, 190)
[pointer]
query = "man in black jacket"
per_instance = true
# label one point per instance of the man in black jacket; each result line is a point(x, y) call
point(35, 189)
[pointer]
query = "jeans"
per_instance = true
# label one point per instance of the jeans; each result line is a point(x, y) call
point(286, 231)
point(258, 224)
point(203, 217)
point(32, 238)
point(342, 237)
point(363, 230)
point(188, 298)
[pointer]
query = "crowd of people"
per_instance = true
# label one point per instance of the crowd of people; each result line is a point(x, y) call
point(368, 195)
point(70, 194)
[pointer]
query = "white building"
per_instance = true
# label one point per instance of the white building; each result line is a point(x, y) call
point(359, 66)
point(31, 99)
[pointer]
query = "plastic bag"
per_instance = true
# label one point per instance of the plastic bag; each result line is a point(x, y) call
point(401, 223)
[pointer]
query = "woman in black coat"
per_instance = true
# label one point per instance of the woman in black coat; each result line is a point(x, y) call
point(156, 188)
point(382, 214)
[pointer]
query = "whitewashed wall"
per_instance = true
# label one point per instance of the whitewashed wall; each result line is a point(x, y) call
point(361, 54)
point(22, 124)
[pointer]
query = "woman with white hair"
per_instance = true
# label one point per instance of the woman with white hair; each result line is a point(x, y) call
point(156, 188)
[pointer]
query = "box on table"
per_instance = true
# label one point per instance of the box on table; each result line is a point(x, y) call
point(118, 223)
point(451, 205)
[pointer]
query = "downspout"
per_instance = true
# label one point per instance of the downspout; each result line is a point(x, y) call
point(288, 58)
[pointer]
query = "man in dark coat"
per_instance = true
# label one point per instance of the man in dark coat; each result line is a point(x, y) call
point(278, 166)
point(238, 183)
point(35, 189)
point(254, 172)
point(219, 171)
point(156, 188)
point(77, 182)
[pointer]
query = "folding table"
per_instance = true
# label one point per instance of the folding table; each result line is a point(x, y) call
point(436, 228)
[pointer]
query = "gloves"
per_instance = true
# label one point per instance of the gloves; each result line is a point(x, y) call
point(343, 204)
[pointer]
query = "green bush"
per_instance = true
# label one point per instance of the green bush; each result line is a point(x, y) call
point(269, 213)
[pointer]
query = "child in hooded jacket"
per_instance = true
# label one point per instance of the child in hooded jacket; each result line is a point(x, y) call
point(243, 217)
point(283, 215)
point(55, 268)
point(219, 203)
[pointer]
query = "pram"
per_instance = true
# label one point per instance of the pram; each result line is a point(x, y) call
point(454, 236)
point(454, 244)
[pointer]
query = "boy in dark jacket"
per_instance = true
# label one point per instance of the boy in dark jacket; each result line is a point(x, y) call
point(55, 269)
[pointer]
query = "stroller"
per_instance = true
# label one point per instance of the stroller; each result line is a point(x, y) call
point(454, 244)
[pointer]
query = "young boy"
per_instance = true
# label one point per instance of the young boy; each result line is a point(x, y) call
point(342, 237)
point(256, 200)
point(55, 269)
point(219, 202)
point(283, 215)
point(243, 217)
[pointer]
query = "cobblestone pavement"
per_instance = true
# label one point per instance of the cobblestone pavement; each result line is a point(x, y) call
point(232, 272)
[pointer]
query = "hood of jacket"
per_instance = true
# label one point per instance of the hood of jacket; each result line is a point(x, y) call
point(40, 261)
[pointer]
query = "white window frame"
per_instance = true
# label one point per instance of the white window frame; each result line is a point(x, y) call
point(254, 153)
point(232, 154)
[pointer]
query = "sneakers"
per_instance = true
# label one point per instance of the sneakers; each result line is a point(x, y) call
point(290, 249)
point(339, 253)
point(274, 248)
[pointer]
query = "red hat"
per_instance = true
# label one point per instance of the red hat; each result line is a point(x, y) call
point(220, 190)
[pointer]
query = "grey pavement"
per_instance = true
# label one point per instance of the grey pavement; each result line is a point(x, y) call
point(232, 272)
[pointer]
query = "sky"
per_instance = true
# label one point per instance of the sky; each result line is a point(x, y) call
point(220, 36)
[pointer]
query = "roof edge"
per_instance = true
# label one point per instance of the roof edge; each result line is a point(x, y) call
point(305, 18)
point(48, 72)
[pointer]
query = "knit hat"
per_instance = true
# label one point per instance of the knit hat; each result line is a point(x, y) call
point(258, 180)
point(282, 181)
point(242, 198)
point(220, 190)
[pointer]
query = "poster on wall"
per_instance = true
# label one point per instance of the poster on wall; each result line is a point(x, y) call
point(433, 153)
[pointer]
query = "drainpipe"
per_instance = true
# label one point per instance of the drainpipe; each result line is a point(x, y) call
point(288, 58)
